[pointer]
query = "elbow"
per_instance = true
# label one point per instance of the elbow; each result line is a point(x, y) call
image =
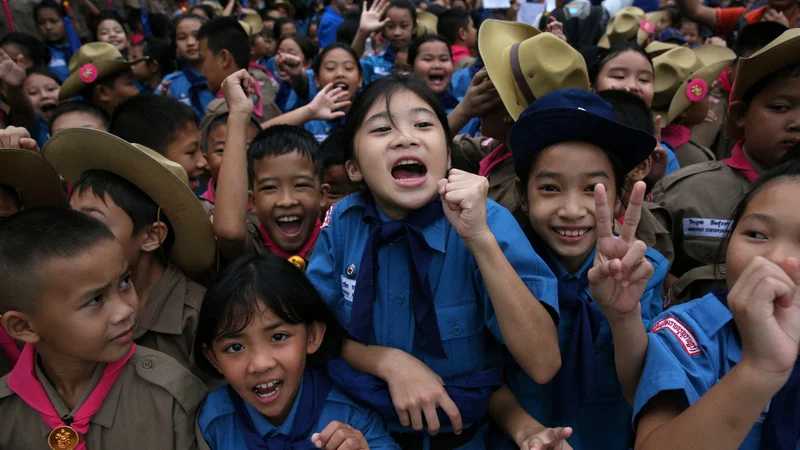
point(228, 236)
point(546, 370)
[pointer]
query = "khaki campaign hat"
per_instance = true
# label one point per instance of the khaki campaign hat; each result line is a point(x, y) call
point(779, 54)
point(657, 48)
point(91, 63)
point(427, 23)
point(525, 64)
point(252, 23)
point(683, 76)
point(648, 26)
point(622, 26)
point(218, 9)
point(75, 151)
point(37, 183)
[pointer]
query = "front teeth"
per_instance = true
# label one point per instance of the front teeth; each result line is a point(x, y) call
point(268, 389)
point(406, 162)
point(288, 218)
point(341, 85)
point(571, 233)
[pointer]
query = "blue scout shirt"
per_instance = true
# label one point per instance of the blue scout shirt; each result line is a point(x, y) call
point(606, 415)
point(198, 97)
point(322, 128)
point(463, 307)
point(374, 67)
point(691, 347)
point(672, 160)
point(59, 60)
point(326, 31)
point(217, 422)
point(288, 100)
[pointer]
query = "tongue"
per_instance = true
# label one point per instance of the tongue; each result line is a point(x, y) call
point(406, 172)
point(290, 227)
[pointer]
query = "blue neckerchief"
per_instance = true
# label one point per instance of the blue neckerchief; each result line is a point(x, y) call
point(448, 99)
point(781, 427)
point(316, 387)
point(427, 336)
point(389, 55)
point(196, 83)
point(73, 41)
point(145, 20)
point(143, 87)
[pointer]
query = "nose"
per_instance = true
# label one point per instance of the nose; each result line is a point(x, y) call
point(632, 87)
point(124, 307)
point(573, 208)
point(779, 251)
point(404, 140)
point(793, 124)
point(286, 198)
point(201, 161)
point(261, 360)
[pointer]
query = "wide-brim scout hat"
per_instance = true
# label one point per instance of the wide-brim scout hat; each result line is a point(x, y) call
point(779, 54)
point(75, 151)
point(648, 25)
point(91, 63)
point(218, 9)
point(287, 6)
point(683, 76)
point(525, 64)
point(427, 23)
point(37, 183)
point(657, 48)
point(575, 115)
point(252, 23)
point(622, 26)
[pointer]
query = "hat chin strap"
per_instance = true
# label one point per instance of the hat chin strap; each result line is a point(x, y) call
point(519, 77)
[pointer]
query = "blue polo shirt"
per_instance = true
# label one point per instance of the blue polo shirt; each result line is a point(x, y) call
point(59, 60)
point(605, 416)
point(375, 67)
point(217, 421)
point(330, 21)
point(287, 98)
point(194, 94)
point(463, 308)
point(691, 347)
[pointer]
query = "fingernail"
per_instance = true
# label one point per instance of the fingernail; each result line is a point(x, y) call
point(626, 283)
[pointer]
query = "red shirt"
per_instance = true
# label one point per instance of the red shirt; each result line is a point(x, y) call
point(727, 18)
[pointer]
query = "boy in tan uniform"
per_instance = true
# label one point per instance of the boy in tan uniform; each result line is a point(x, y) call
point(700, 198)
point(145, 200)
point(67, 294)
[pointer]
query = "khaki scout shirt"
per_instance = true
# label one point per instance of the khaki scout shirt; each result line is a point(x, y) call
point(168, 321)
point(653, 230)
point(714, 135)
point(153, 405)
point(700, 199)
point(693, 153)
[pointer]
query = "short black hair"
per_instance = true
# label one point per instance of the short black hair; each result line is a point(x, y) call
point(225, 33)
point(305, 44)
point(29, 46)
point(210, 12)
point(346, 31)
point(151, 120)
point(33, 237)
point(160, 51)
point(141, 209)
point(413, 50)
point(762, 84)
point(755, 36)
point(281, 140)
point(333, 46)
point(451, 21)
point(48, 4)
point(332, 151)
point(106, 15)
point(674, 14)
point(43, 71)
point(251, 283)
point(220, 119)
point(435, 9)
point(279, 23)
point(79, 107)
point(630, 109)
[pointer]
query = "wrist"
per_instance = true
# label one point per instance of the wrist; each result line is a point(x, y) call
point(481, 241)
point(385, 362)
point(616, 318)
point(753, 374)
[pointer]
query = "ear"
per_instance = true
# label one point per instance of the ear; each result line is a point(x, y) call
point(737, 118)
point(209, 355)
point(316, 333)
point(251, 197)
point(153, 66)
point(316, 81)
point(225, 59)
point(308, 64)
point(641, 171)
point(353, 171)
point(323, 190)
point(462, 33)
point(154, 236)
point(102, 94)
point(360, 81)
point(18, 325)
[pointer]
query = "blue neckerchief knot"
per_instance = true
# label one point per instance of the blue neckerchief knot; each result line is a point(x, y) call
point(389, 54)
point(316, 387)
point(427, 337)
point(448, 99)
point(196, 84)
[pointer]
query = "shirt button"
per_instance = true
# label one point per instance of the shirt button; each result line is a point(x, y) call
point(457, 330)
point(147, 364)
point(400, 299)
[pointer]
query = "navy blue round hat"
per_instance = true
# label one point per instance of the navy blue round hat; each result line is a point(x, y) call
point(575, 115)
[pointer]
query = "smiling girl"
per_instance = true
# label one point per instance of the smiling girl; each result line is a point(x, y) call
point(109, 29)
point(431, 60)
point(397, 22)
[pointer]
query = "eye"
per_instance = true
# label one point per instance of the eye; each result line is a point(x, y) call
point(268, 188)
point(424, 125)
point(755, 235)
point(279, 337)
point(303, 185)
point(591, 188)
point(381, 130)
point(94, 301)
point(233, 348)
point(125, 281)
point(334, 194)
point(779, 107)
point(548, 188)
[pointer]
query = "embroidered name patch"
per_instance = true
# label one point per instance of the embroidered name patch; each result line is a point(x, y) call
point(687, 339)
point(348, 288)
point(715, 228)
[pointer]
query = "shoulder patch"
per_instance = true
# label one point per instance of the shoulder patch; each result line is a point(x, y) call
point(684, 335)
point(327, 222)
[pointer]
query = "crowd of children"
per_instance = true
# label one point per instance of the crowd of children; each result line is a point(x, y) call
point(402, 224)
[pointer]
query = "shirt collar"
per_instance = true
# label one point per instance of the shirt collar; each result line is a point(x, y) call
point(163, 312)
point(263, 425)
point(561, 273)
point(434, 233)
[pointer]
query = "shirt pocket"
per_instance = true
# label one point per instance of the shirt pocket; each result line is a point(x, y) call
point(702, 250)
point(606, 386)
point(461, 329)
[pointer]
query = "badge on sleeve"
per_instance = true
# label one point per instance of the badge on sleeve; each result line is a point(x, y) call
point(681, 331)
point(327, 222)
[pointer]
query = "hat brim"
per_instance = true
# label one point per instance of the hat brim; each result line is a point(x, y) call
point(657, 48)
point(748, 74)
point(73, 85)
point(533, 133)
point(75, 151)
point(680, 102)
point(494, 38)
point(36, 181)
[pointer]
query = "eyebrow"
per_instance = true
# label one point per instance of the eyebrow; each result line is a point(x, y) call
point(93, 292)
point(549, 174)
point(92, 209)
point(759, 216)
point(411, 112)
point(238, 334)
point(294, 178)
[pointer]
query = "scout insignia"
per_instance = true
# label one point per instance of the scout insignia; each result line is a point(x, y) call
point(696, 90)
point(88, 73)
point(350, 271)
point(63, 438)
point(647, 26)
point(298, 262)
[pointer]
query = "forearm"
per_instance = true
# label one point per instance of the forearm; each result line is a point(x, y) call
point(299, 84)
point(22, 112)
point(297, 117)
point(511, 417)
point(720, 419)
point(630, 350)
point(458, 118)
point(230, 211)
point(360, 42)
point(372, 359)
point(527, 328)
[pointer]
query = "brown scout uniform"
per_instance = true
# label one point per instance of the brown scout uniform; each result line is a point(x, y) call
point(693, 153)
point(713, 135)
point(153, 405)
point(700, 200)
point(255, 243)
point(168, 321)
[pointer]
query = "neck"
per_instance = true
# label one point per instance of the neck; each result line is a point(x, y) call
point(69, 376)
point(154, 81)
point(147, 272)
point(195, 65)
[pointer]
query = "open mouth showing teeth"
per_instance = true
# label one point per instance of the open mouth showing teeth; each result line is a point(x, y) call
point(437, 78)
point(268, 389)
point(571, 233)
point(290, 224)
point(342, 86)
point(408, 169)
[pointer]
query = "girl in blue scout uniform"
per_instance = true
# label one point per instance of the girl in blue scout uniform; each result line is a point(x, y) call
point(397, 21)
point(58, 34)
point(722, 371)
point(291, 66)
point(158, 61)
point(265, 329)
point(188, 85)
point(425, 271)
point(572, 156)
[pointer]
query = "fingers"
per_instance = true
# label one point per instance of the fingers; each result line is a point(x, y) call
point(634, 256)
point(452, 412)
point(431, 418)
point(602, 212)
point(29, 144)
point(415, 413)
point(402, 416)
point(657, 132)
point(634, 212)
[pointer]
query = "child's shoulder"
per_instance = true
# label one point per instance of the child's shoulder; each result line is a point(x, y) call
point(695, 176)
point(338, 398)
point(352, 204)
point(216, 406)
point(693, 324)
point(162, 371)
point(174, 76)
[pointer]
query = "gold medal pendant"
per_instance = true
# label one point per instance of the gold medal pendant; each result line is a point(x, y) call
point(298, 262)
point(64, 438)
